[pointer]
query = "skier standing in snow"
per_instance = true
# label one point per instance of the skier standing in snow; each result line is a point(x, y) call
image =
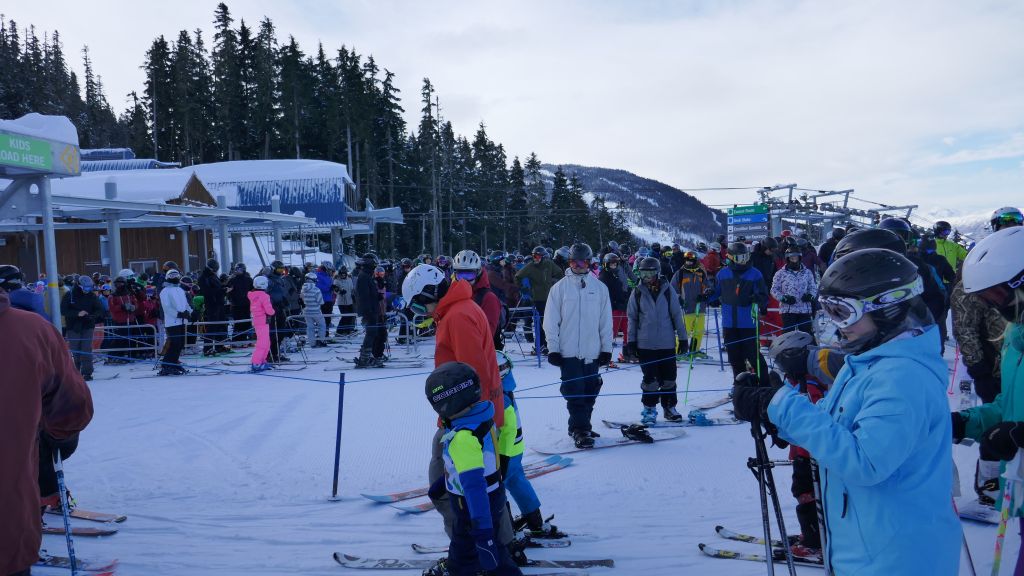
point(368, 299)
point(468, 267)
point(578, 322)
point(176, 312)
point(740, 288)
point(312, 312)
point(325, 282)
point(262, 313)
point(463, 335)
point(471, 479)
point(795, 288)
point(829, 246)
point(81, 309)
point(212, 290)
point(617, 295)
point(238, 287)
point(655, 330)
point(345, 289)
point(45, 401)
point(541, 273)
point(994, 272)
point(691, 283)
point(879, 434)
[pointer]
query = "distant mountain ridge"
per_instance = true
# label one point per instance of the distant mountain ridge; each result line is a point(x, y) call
point(655, 211)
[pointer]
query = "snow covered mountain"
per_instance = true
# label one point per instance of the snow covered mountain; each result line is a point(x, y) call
point(655, 211)
point(974, 225)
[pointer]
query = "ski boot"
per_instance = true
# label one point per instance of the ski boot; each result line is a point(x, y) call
point(257, 368)
point(582, 439)
point(517, 550)
point(699, 418)
point(363, 361)
point(649, 415)
point(637, 432)
point(534, 525)
point(672, 415)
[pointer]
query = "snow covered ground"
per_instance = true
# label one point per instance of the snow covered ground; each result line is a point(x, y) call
point(230, 474)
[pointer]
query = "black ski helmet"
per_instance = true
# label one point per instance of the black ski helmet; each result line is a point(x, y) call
point(611, 258)
point(650, 263)
point(941, 227)
point(10, 277)
point(739, 253)
point(580, 251)
point(563, 253)
point(885, 283)
point(898, 226)
point(868, 238)
point(213, 265)
point(539, 250)
point(451, 388)
point(769, 243)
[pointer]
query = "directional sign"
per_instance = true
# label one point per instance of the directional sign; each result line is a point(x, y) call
point(24, 152)
point(745, 210)
point(751, 219)
point(747, 228)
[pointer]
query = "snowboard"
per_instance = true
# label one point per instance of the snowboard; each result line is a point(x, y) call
point(89, 515)
point(350, 561)
point(530, 474)
point(566, 445)
point(80, 531)
point(417, 492)
point(712, 404)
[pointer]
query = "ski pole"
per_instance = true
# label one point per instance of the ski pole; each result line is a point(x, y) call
point(755, 314)
point(536, 334)
point(337, 436)
point(58, 468)
point(689, 373)
point(1008, 500)
point(718, 335)
point(756, 466)
point(819, 508)
point(956, 362)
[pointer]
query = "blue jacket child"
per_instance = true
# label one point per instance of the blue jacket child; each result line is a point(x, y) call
point(472, 476)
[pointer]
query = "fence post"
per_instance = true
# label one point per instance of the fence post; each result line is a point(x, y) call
point(337, 437)
point(536, 334)
point(718, 334)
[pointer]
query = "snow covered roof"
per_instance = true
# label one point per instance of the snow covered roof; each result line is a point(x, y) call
point(55, 128)
point(133, 185)
point(108, 154)
point(314, 187)
point(128, 164)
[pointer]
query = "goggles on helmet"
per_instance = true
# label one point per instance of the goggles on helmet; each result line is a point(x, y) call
point(1009, 219)
point(645, 274)
point(846, 311)
point(467, 275)
point(419, 303)
point(1002, 294)
point(740, 259)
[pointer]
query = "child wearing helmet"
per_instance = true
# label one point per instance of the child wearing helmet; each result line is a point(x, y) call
point(313, 301)
point(471, 477)
point(261, 310)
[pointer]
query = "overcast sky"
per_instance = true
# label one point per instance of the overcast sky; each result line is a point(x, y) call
point(906, 102)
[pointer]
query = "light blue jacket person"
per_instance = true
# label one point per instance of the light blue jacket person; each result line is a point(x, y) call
point(882, 438)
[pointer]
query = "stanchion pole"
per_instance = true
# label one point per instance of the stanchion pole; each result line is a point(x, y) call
point(536, 335)
point(337, 437)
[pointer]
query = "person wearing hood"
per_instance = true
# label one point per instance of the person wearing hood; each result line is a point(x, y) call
point(741, 290)
point(20, 295)
point(325, 282)
point(578, 323)
point(81, 309)
point(313, 302)
point(540, 273)
point(345, 290)
point(371, 314)
point(238, 287)
point(656, 329)
point(829, 246)
point(881, 435)
point(617, 296)
point(213, 293)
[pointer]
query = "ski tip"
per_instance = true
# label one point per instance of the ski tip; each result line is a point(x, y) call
point(701, 545)
point(719, 528)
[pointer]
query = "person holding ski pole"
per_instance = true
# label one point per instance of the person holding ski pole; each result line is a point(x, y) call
point(994, 272)
point(691, 283)
point(45, 400)
point(880, 434)
point(740, 288)
point(655, 328)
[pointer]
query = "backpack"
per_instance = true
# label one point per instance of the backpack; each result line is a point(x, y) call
point(499, 334)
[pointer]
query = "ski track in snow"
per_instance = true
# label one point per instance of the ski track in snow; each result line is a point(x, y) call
point(230, 474)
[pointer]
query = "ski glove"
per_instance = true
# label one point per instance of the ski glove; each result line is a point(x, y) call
point(787, 299)
point(554, 358)
point(750, 399)
point(959, 426)
point(806, 298)
point(604, 358)
point(486, 548)
point(1003, 439)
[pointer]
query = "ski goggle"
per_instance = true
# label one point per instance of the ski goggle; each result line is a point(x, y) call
point(846, 311)
point(740, 259)
point(1002, 294)
point(419, 303)
point(645, 274)
point(1009, 219)
point(467, 275)
point(537, 257)
point(579, 263)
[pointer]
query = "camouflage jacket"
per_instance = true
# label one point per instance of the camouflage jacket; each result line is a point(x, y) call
point(978, 329)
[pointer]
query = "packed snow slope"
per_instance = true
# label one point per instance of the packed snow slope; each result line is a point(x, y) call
point(230, 473)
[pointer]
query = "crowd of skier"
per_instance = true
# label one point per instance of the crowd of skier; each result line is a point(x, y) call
point(857, 325)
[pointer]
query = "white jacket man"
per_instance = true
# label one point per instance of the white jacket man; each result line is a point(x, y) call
point(578, 324)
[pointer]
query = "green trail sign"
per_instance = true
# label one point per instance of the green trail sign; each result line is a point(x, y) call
point(747, 210)
point(24, 152)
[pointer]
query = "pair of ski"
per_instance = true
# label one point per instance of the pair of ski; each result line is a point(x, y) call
point(801, 556)
point(90, 515)
point(390, 363)
point(357, 562)
point(532, 470)
point(81, 566)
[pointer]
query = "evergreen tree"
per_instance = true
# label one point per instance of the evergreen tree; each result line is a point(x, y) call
point(536, 197)
point(98, 127)
point(227, 85)
point(297, 87)
point(517, 206)
point(159, 98)
point(135, 126)
point(263, 89)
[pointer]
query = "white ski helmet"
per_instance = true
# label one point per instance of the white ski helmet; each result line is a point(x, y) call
point(467, 260)
point(260, 283)
point(311, 276)
point(126, 273)
point(998, 258)
point(424, 281)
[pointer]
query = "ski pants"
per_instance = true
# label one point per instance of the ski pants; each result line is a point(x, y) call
point(80, 343)
point(346, 324)
point(443, 503)
point(742, 347)
point(175, 342)
point(543, 336)
point(242, 317)
point(262, 348)
point(806, 507)
point(327, 309)
point(620, 323)
point(580, 387)
point(695, 328)
point(801, 322)
point(374, 337)
point(47, 476)
point(519, 487)
point(462, 554)
point(659, 380)
point(316, 327)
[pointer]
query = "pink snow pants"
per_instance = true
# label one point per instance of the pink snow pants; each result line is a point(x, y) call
point(262, 348)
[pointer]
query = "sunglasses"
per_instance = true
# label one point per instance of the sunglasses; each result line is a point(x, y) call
point(468, 275)
point(846, 312)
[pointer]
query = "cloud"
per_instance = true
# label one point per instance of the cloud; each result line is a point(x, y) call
point(831, 95)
